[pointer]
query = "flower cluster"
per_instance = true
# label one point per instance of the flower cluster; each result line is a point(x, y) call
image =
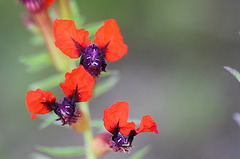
point(108, 45)
point(77, 87)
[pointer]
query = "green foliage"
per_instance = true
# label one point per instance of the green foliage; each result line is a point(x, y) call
point(77, 17)
point(37, 39)
point(48, 119)
point(48, 83)
point(106, 85)
point(38, 156)
point(62, 151)
point(234, 72)
point(140, 153)
point(92, 28)
point(97, 123)
point(109, 73)
point(36, 62)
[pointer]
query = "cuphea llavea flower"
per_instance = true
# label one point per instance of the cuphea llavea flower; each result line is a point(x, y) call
point(107, 45)
point(77, 87)
point(34, 6)
point(116, 122)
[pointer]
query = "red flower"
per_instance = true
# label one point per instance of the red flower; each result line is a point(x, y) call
point(73, 42)
point(109, 39)
point(38, 102)
point(77, 87)
point(115, 121)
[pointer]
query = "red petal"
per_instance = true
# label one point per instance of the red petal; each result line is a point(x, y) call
point(70, 40)
point(117, 115)
point(125, 130)
point(35, 102)
point(48, 3)
point(81, 80)
point(109, 35)
point(147, 125)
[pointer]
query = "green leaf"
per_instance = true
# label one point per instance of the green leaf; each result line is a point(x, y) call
point(77, 17)
point(62, 151)
point(105, 85)
point(39, 156)
point(53, 14)
point(140, 153)
point(109, 73)
point(234, 72)
point(93, 27)
point(36, 62)
point(48, 83)
point(48, 119)
point(51, 120)
point(97, 123)
point(37, 39)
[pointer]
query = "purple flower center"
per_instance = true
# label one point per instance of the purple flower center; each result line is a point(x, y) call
point(93, 60)
point(121, 140)
point(121, 143)
point(66, 111)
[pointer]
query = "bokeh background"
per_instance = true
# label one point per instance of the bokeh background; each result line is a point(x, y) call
point(173, 71)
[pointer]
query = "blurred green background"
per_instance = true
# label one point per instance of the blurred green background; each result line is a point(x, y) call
point(173, 72)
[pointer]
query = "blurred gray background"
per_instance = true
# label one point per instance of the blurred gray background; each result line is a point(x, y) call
point(173, 72)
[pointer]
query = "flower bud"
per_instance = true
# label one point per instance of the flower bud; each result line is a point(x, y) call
point(100, 144)
point(33, 6)
point(40, 16)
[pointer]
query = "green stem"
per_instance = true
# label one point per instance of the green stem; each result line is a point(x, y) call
point(65, 10)
point(88, 135)
point(43, 21)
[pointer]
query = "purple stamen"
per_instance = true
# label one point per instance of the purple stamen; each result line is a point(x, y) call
point(120, 140)
point(121, 143)
point(66, 111)
point(93, 60)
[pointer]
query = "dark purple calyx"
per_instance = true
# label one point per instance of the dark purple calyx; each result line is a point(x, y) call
point(93, 60)
point(33, 6)
point(66, 111)
point(121, 143)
